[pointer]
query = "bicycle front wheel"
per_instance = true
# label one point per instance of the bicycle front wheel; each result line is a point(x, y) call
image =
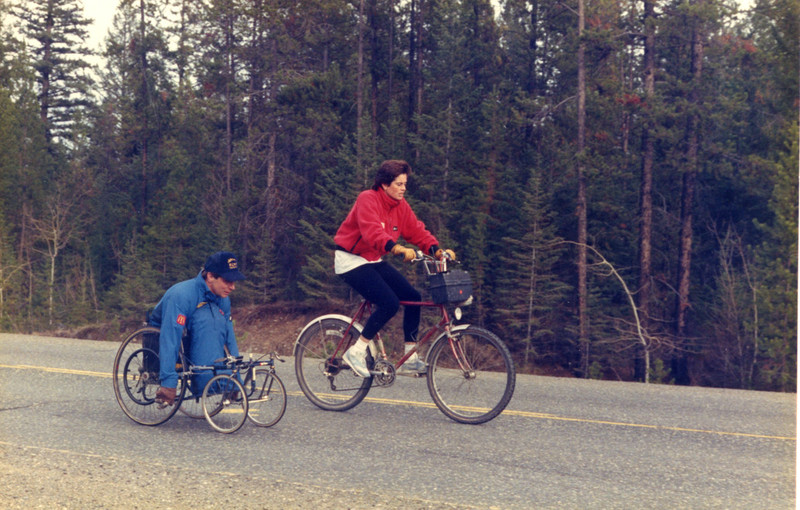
point(136, 379)
point(471, 377)
point(326, 380)
point(225, 403)
point(266, 397)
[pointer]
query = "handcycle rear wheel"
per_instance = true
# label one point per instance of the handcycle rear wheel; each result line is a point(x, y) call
point(266, 396)
point(136, 380)
point(471, 378)
point(225, 403)
point(327, 381)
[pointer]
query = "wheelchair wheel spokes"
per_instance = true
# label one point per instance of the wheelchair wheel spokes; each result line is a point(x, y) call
point(324, 379)
point(266, 397)
point(140, 384)
point(471, 378)
point(136, 379)
point(225, 403)
point(192, 405)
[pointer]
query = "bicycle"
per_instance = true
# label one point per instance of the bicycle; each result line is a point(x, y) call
point(226, 401)
point(471, 375)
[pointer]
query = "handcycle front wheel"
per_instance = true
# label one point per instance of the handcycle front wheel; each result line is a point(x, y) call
point(191, 404)
point(326, 380)
point(225, 403)
point(136, 379)
point(266, 396)
point(471, 377)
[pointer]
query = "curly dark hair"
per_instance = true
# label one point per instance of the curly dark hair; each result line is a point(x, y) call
point(389, 171)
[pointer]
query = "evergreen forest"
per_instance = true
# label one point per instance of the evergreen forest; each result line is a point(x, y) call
point(619, 177)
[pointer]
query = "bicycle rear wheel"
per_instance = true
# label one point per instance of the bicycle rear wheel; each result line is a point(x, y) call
point(327, 381)
point(136, 379)
point(471, 378)
point(266, 397)
point(225, 403)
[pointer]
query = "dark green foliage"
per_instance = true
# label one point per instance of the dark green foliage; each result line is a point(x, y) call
point(233, 125)
point(528, 297)
point(336, 188)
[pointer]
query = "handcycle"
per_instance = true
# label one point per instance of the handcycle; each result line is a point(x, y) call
point(238, 390)
point(470, 376)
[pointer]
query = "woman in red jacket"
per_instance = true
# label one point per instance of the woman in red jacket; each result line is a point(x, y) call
point(372, 228)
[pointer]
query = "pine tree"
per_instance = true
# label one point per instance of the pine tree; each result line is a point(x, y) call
point(777, 262)
point(335, 191)
point(134, 161)
point(57, 31)
point(528, 292)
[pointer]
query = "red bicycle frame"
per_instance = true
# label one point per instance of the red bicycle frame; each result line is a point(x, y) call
point(366, 307)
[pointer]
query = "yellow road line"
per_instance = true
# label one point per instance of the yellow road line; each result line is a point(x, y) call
point(545, 416)
point(507, 412)
point(59, 370)
point(644, 426)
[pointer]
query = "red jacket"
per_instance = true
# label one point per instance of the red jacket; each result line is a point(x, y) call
point(376, 222)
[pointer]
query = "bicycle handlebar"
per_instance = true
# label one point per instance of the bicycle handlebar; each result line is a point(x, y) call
point(439, 265)
point(421, 256)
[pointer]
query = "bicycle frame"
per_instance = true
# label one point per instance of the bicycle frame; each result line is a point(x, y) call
point(445, 325)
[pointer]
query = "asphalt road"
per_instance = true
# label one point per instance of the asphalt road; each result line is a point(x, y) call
point(562, 443)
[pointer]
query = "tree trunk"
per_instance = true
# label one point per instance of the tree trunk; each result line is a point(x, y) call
point(145, 111)
point(415, 64)
point(360, 89)
point(51, 283)
point(45, 71)
point(374, 73)
point(412, 66)
point(229, 101)
point(646, 193)
point(680, 362)
point(583, 328)
point(390, 94)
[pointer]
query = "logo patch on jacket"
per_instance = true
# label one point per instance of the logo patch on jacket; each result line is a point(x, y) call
point(181, 320)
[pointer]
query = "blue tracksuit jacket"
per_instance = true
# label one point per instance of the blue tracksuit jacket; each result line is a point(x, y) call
point(207, 317)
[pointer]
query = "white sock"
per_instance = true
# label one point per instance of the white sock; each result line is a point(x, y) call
point(408, 347)
point(360, 346)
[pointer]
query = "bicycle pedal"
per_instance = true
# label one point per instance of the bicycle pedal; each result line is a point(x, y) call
point(371, 373)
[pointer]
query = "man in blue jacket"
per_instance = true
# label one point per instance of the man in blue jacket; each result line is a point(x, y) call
point(202, 307)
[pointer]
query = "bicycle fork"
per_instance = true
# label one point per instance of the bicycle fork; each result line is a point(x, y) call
point(457, 348)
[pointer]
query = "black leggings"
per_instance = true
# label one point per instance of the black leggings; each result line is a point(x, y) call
point(385, 287)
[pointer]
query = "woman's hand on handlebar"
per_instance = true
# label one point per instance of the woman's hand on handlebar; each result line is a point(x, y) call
point(407, 253)
point(448, 254)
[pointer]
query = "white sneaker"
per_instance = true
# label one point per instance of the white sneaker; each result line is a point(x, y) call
point(357, 361)
point(413, 367)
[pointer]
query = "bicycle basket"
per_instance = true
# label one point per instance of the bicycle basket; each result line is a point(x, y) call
point(453, 286)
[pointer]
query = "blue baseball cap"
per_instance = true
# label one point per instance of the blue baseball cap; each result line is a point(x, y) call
point(225, 265)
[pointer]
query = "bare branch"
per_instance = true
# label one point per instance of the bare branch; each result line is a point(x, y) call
point(642, 335)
